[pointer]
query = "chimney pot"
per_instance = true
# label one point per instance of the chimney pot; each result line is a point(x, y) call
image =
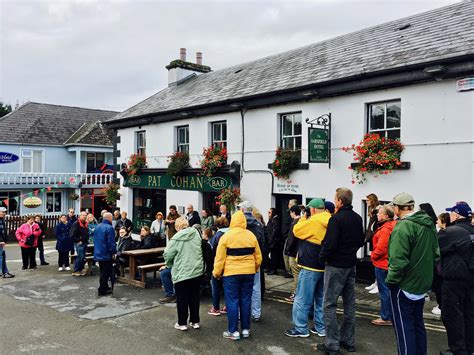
point(182, 54)
point(199, 58)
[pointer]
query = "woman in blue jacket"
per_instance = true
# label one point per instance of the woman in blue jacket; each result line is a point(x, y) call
point(64, 243)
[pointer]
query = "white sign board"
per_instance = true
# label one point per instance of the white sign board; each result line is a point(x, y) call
point(465, 84)
point(286, 187)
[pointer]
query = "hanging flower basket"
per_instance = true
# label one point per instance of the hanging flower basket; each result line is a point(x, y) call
point(229, 197)
point(112, 193)
point(286, 161)
point(375, 155)
point(178, 161)
point(214, 157)
point(135, 163)
point(74, 196)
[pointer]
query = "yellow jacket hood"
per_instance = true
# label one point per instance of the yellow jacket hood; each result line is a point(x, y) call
point(238, 220)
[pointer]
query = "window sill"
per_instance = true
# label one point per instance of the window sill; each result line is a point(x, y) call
point(301, 166)
point(405, 166)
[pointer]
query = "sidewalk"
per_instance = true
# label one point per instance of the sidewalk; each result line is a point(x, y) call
point(277, 287)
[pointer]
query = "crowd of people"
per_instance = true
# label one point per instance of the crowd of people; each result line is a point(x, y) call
point(412, 251)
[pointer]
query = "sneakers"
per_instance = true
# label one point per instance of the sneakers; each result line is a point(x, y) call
point(371, 287)
point(374, 291)
point(322, 348)
point(214, 312)
point(44, 263)
point(168, 299)
point(180, 327)
point(67, 268)
point(380, 321)
point(436, 311)
point(77, 273)
point(223, 310)
point(256, 319)
point(83, 273)
point(245, 333)
point(194, 325)
point(231, 336)
point(293, 333)
point(60, 268)
point(319, 334)
point(7, 275)
point(290, 298)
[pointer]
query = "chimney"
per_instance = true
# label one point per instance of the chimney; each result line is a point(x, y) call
point(180, 70)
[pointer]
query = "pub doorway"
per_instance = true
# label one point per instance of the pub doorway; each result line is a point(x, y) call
point(209, 201)
point(146, 203)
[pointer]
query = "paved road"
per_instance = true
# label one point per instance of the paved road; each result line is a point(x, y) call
point(47, 312)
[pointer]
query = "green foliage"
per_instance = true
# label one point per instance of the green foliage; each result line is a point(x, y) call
point(286, 161)
point(177, 163)
point(4, 109)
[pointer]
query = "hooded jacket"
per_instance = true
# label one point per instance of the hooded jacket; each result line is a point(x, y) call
point(256, 228)
point(25, 231)
point(311, 232)
point(412, 253)
point(104, 241)
point(183, 255)
point(238, 252)
point(379, 255)
point(455, 248)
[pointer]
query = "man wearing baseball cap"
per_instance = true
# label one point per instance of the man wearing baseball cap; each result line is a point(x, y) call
point(412, 253)
point(3, 239)
point(460, 213)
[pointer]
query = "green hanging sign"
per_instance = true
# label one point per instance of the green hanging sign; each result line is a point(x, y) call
point(318, 141)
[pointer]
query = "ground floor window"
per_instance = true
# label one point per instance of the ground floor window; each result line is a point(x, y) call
point(146, 203)
point(53, 201)
point(11, 201)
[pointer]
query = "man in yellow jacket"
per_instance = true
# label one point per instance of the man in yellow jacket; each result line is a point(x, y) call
point(311, 232)
point(237, 259)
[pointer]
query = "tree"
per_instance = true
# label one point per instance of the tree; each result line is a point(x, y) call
point(4, 109)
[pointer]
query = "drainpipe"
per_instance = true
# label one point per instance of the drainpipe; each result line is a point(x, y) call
point(243, 111)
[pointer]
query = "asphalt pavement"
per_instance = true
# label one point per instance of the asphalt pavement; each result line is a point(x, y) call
point(49, 312)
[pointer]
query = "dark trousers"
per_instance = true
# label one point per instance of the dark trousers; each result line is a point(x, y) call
point(408, 323)
point(41, 250)
point(436, 287)
point(63, 258)
point(238, 300)
point(187, 299)
point(28, 255)
point(457, 314)
point(275, 259)
point(106, 270)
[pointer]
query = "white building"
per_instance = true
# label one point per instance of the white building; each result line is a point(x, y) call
point(401, 79)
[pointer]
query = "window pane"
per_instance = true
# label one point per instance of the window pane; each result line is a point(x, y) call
point(377, 113)
point(57, 203)
point(395, 134)
point(27, 165)
point(37, 161)
point(224, 131)
point(216, 132)
point(297, 125)
point(298, 143)
point(186, 134)
point(287, 143)
point(287, 124)
point(181, 136)
point(393, 115)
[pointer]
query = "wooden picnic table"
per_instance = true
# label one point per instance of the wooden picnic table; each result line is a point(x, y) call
point(132, 255)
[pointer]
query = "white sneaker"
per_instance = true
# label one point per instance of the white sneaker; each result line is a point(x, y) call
point(245, 333)
point(436, 311)
point(68, 268)
point(194, 325)
point(374, 291)
point(60, 269)
point(371, 287)
point(180, 327)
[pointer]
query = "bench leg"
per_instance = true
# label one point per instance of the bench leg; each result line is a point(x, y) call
point(143, 275)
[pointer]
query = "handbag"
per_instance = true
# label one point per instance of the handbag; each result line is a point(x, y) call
point(30, 240)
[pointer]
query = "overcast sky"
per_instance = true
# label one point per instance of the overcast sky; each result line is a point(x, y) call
point(112, 54)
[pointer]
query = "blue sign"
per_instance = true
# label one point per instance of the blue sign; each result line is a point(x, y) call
point(7, 158)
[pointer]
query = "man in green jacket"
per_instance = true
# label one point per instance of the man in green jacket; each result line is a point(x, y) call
point(412, 253)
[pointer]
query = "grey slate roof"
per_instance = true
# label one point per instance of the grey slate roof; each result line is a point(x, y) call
point(91, 133)
point(37, 123)
point(442, 33)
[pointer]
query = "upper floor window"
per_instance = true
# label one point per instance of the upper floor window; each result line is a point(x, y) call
point(31, 161)
point(182, 139)
point(219, 134)
point(95, 162)
point(141, 143)
point(384, 119)
point(290, 130)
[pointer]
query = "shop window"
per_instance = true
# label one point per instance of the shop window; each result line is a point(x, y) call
point(94, 162)
point(147, 202)
point(219, 134)
point(53, 202)
point(290, 131)
point(13, 204)
point(384, 118)
point(141, 143)
point(31, 161)
point(182, 134)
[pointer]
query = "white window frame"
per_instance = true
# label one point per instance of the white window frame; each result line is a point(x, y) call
point(182, 146)
point(24, 156)
point(219, 142)
point(55, 194)
point(140, 148)
point(384, 131)
point(293, 136)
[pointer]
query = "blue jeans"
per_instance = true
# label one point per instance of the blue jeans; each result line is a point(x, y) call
point(216, 285)
point(165, 276)
point(80, 257)
point(408, 323)
point(3, 260)
point(309, 292)
point(257, 297)
point(238, 297)
point(384, 291)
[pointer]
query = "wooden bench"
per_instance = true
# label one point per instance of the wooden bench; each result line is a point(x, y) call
point(89, 260)
point(148, 268)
